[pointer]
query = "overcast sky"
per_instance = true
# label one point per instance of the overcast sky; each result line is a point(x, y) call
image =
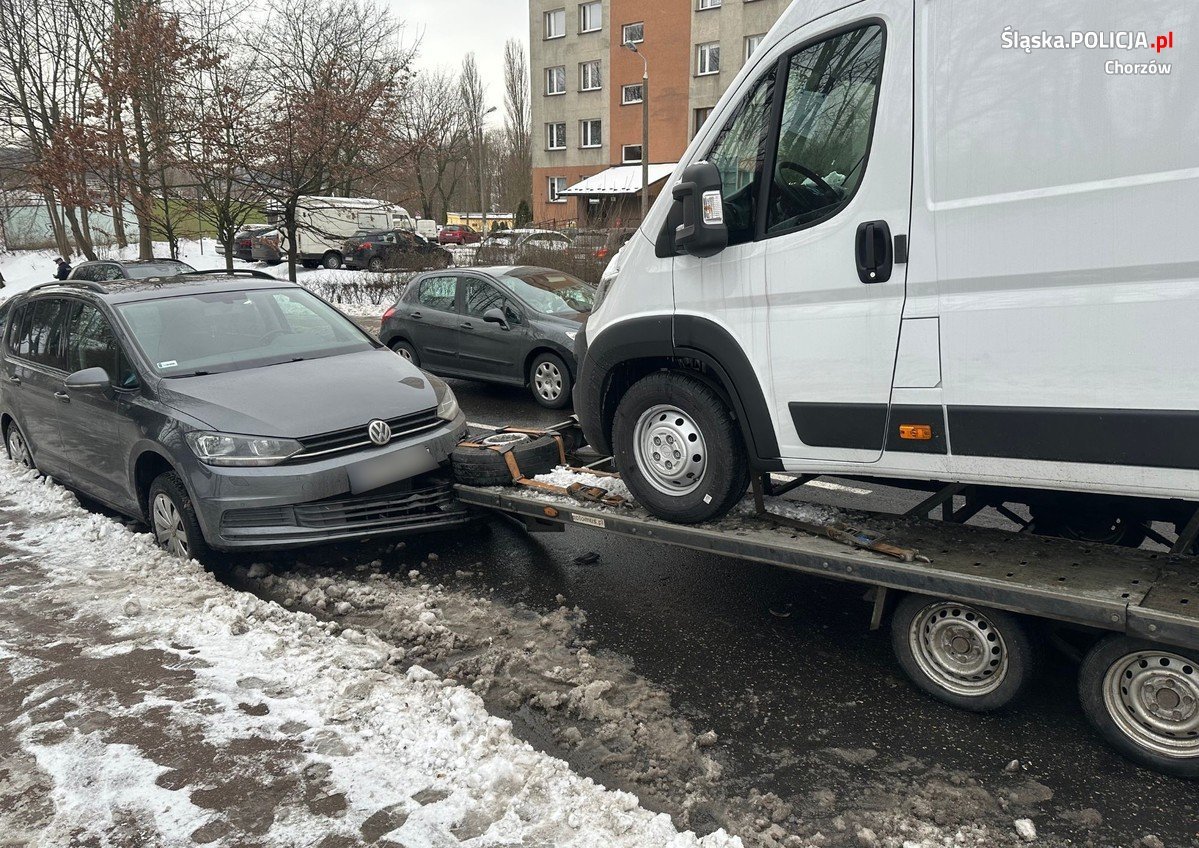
point(449, 29)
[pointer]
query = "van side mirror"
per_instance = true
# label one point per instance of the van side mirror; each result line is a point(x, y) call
point(495, 315)
point(89, 379)
point(697, 193)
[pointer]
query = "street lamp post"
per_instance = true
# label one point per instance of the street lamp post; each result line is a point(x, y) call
point(482, 169)
point(644, 130)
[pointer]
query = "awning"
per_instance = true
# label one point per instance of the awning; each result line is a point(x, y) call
point(623, 179)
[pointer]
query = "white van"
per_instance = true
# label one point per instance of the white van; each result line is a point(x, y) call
point(924, 241)
point(324, 223)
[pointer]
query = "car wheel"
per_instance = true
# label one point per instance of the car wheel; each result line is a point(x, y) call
point(679, 449)
point(331, 261)
point(406, 350)
point(487, 466)
point(173, 518)
point(17, 447)
point(375, 263)
point(549, 380)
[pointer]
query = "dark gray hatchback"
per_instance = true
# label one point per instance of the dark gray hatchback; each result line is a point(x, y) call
point(226, 412)
point(514, 325)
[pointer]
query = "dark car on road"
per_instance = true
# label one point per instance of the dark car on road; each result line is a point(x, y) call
point(513, 325)
point(458, 234)
point(226, 411)
point(243, 241)
point(381, 250)
point(266, 246)
point(104, 270)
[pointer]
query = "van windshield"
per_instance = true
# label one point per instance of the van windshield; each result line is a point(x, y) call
point(551, 292)
point(214, 332)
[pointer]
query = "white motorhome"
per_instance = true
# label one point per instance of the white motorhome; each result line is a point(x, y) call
point(324, 223)
point(938, 242)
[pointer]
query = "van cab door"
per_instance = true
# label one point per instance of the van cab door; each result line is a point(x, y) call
point(835, 210)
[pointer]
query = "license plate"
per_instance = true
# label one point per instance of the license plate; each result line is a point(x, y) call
point(390, 468)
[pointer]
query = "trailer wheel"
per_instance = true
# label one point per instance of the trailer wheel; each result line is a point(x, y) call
point(975, 658)
point(483, 466)
point(1143, 698)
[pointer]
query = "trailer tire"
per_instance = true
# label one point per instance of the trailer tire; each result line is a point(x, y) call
point(1143, 699)
point(974, 658)
point(483, 466)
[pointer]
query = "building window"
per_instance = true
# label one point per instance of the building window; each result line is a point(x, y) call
point(630, 94)
point(555, 80)
point(589, 76)
point(701, 115)
point(709, 4)
point(589, 133)
point(555, 136)
point(557, 185)
point(591, 16)
point(707, 58)
point(630, 153)
point(555, 23)
point(751, 44)
point(632, 32)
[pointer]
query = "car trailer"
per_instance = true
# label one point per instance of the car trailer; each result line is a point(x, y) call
point(965, 603)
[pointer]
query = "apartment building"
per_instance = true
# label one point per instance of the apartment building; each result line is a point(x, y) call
point(587, 94)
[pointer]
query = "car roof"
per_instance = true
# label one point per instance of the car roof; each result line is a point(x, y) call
point(153, 288)
point(125, 263)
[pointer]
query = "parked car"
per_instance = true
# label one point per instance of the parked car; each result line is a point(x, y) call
point(458, 234)
point(322, 224)
point(377, 250)
point(266, 246)
point(188, 402)
point(243, 242)
point(103, 270)
point(508, 247)
point(513, 325)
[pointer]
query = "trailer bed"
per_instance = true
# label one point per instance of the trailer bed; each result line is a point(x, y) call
point(1153, 596)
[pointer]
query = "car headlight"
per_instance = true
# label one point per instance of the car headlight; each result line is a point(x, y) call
point(226, 449)
point(447, 404)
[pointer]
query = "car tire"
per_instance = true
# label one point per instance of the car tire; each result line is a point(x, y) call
point(994, 668)
point(17, 447)
point(484, 466)
point(172, 518)
point(1120, 685)
point(706, 480)
point(375, 263)
point(331, 261)
point(549, 381)
point(406, 350)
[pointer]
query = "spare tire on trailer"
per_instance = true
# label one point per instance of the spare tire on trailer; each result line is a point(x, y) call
point(483, 462)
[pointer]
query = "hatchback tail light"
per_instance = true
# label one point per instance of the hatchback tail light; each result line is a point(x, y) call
point(366, 245)
point(391, 310)
point(601, 253)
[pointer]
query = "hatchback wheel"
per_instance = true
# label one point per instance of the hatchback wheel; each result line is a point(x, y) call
point(406, 350)
point(18, 448)
point(173, 518)
point(549, 380)
point(375, 263)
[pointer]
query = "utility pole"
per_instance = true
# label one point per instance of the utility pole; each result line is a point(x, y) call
point(644, 130)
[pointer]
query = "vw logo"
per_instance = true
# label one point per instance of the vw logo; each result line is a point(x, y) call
point(379, 432)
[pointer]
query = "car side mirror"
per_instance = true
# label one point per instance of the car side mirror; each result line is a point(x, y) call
point(495, 315)
point(89, 379)
point(701, 206)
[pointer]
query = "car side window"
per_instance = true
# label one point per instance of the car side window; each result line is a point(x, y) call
point(738, 153)
point(103, 273)
point(91, 343)
point(437, 293)
point(827, 117)
point(479, 296)
point(41, 335)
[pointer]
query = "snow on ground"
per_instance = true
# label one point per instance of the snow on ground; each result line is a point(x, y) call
point(402, 755)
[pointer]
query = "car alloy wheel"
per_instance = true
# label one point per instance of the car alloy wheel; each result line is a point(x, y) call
point(168, 526)
point(547, 381)
point(18, 450)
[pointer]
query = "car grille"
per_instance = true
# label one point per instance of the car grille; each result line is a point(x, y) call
point(388, 508)
point(356, 438)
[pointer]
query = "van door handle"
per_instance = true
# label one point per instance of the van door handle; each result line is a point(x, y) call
point(63, 397)
point(874, 254)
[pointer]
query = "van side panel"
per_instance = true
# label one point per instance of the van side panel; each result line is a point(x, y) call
point(1061, 200)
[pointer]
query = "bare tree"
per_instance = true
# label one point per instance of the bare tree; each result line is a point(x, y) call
point(517, 176)
point(436, 140)
point(474, 113)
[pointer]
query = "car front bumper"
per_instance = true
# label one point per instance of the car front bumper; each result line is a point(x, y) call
point(292, 505)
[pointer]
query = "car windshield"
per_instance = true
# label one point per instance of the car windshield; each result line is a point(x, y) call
point(210, 333)
point(551, 292)
point(166, 268)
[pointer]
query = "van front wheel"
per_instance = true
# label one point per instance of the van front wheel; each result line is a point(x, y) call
point(679, 449)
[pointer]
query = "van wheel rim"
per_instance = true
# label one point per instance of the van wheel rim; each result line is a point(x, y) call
point(547, 381)
point(959, 649)
point(18, 451)
point(1153, 697)
point(670, 450)
point(168, 526)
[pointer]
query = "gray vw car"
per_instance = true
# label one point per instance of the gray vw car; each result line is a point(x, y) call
point(227, 411)
point(514, 325)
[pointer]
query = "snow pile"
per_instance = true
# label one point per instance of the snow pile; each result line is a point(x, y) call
point(564, 477)
point(408, 750)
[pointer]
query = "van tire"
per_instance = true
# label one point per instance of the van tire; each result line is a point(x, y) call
point(482, 466)
point(677, 409)
point(169, 486)
point(331, 261)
